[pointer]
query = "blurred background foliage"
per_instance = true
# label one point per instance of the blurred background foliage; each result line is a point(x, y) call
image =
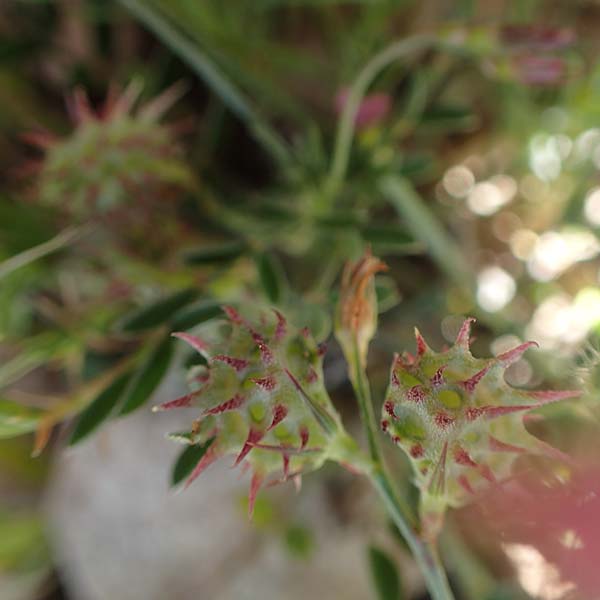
point(162, 157)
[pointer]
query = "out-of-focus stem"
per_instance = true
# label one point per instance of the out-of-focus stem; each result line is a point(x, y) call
point(444, 251)
point(64, 238)
point(346, 124)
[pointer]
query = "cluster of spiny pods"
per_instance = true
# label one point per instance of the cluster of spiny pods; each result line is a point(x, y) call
point(114, 155)
point(459, 422)
point(261, 397)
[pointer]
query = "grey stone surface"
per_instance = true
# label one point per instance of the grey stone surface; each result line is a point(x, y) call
point(119, 531)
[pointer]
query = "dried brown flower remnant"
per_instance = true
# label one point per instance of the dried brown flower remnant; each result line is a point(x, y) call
point(356, 318)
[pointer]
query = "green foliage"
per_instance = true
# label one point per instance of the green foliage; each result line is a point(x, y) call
point(100, 409)
point(156, 313)
point(384, 575)
point(263, 153)
point(215, 254)
point(148, 376)
point(16, 419)
point(299, 541)
point(188, 458)
point(272, 277)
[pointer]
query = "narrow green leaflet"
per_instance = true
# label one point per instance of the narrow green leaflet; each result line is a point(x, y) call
point(157, 312)
point(16, 419)
point(385, 575)
point(194, 314)
point(272, 277)
point(387, 292)
point(100, 409)
point(187, 460)
point(390, 239)
point(215, 253)
point(36, 351)
point(149, 375)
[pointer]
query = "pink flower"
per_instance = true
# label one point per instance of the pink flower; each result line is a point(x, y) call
point(372, 110)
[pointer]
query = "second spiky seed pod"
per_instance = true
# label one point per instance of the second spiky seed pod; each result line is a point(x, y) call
point(459, 422)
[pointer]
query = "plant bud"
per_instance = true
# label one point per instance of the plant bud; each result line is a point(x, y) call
point(356, 315)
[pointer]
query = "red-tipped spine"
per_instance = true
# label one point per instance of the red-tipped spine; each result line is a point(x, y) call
point(464, 334)
point(181, 402)
point(239, 364)
point(254, 436)
point(231, 404)
point(195, 342)
point(470, 384)
point(255, 485)
point(279, 414)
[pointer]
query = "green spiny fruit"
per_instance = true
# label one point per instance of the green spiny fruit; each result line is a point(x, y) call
point(459, 422)
point(116, 156)
point(262, 397)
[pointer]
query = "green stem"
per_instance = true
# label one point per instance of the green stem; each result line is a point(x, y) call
point(345, 131)
point(64, 238)
point(425, 554)
point(426, 228)
point(209, 71)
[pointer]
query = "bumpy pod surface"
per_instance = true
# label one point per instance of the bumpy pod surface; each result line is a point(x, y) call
point(113, 156)
point(262, 398)
point(459, 422)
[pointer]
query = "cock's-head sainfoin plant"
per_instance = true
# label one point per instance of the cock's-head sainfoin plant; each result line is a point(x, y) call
point(261, 398)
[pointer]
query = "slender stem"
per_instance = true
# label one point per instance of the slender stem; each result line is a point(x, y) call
point(362, 389)
point(345, 131)
point(426, 228)
point(64, 238)
point(425, 554)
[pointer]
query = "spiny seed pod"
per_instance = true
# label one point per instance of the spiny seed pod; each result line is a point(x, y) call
point(115, 156)
point(459, 422)
point(262, 397)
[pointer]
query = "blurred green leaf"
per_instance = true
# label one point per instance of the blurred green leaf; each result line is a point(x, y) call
point(100, 409)
point(148, 376)
point(156, 313)
point(272, 277)
point(390, 239)
point(16, 419)
point(216, 253)
point(387, 293)
point(385, 575)
point(449, 117)
point(36, 351)
point(22, 542)
point(203, 64)
point(194, 314)
point(187, 460)
point(299, 541)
